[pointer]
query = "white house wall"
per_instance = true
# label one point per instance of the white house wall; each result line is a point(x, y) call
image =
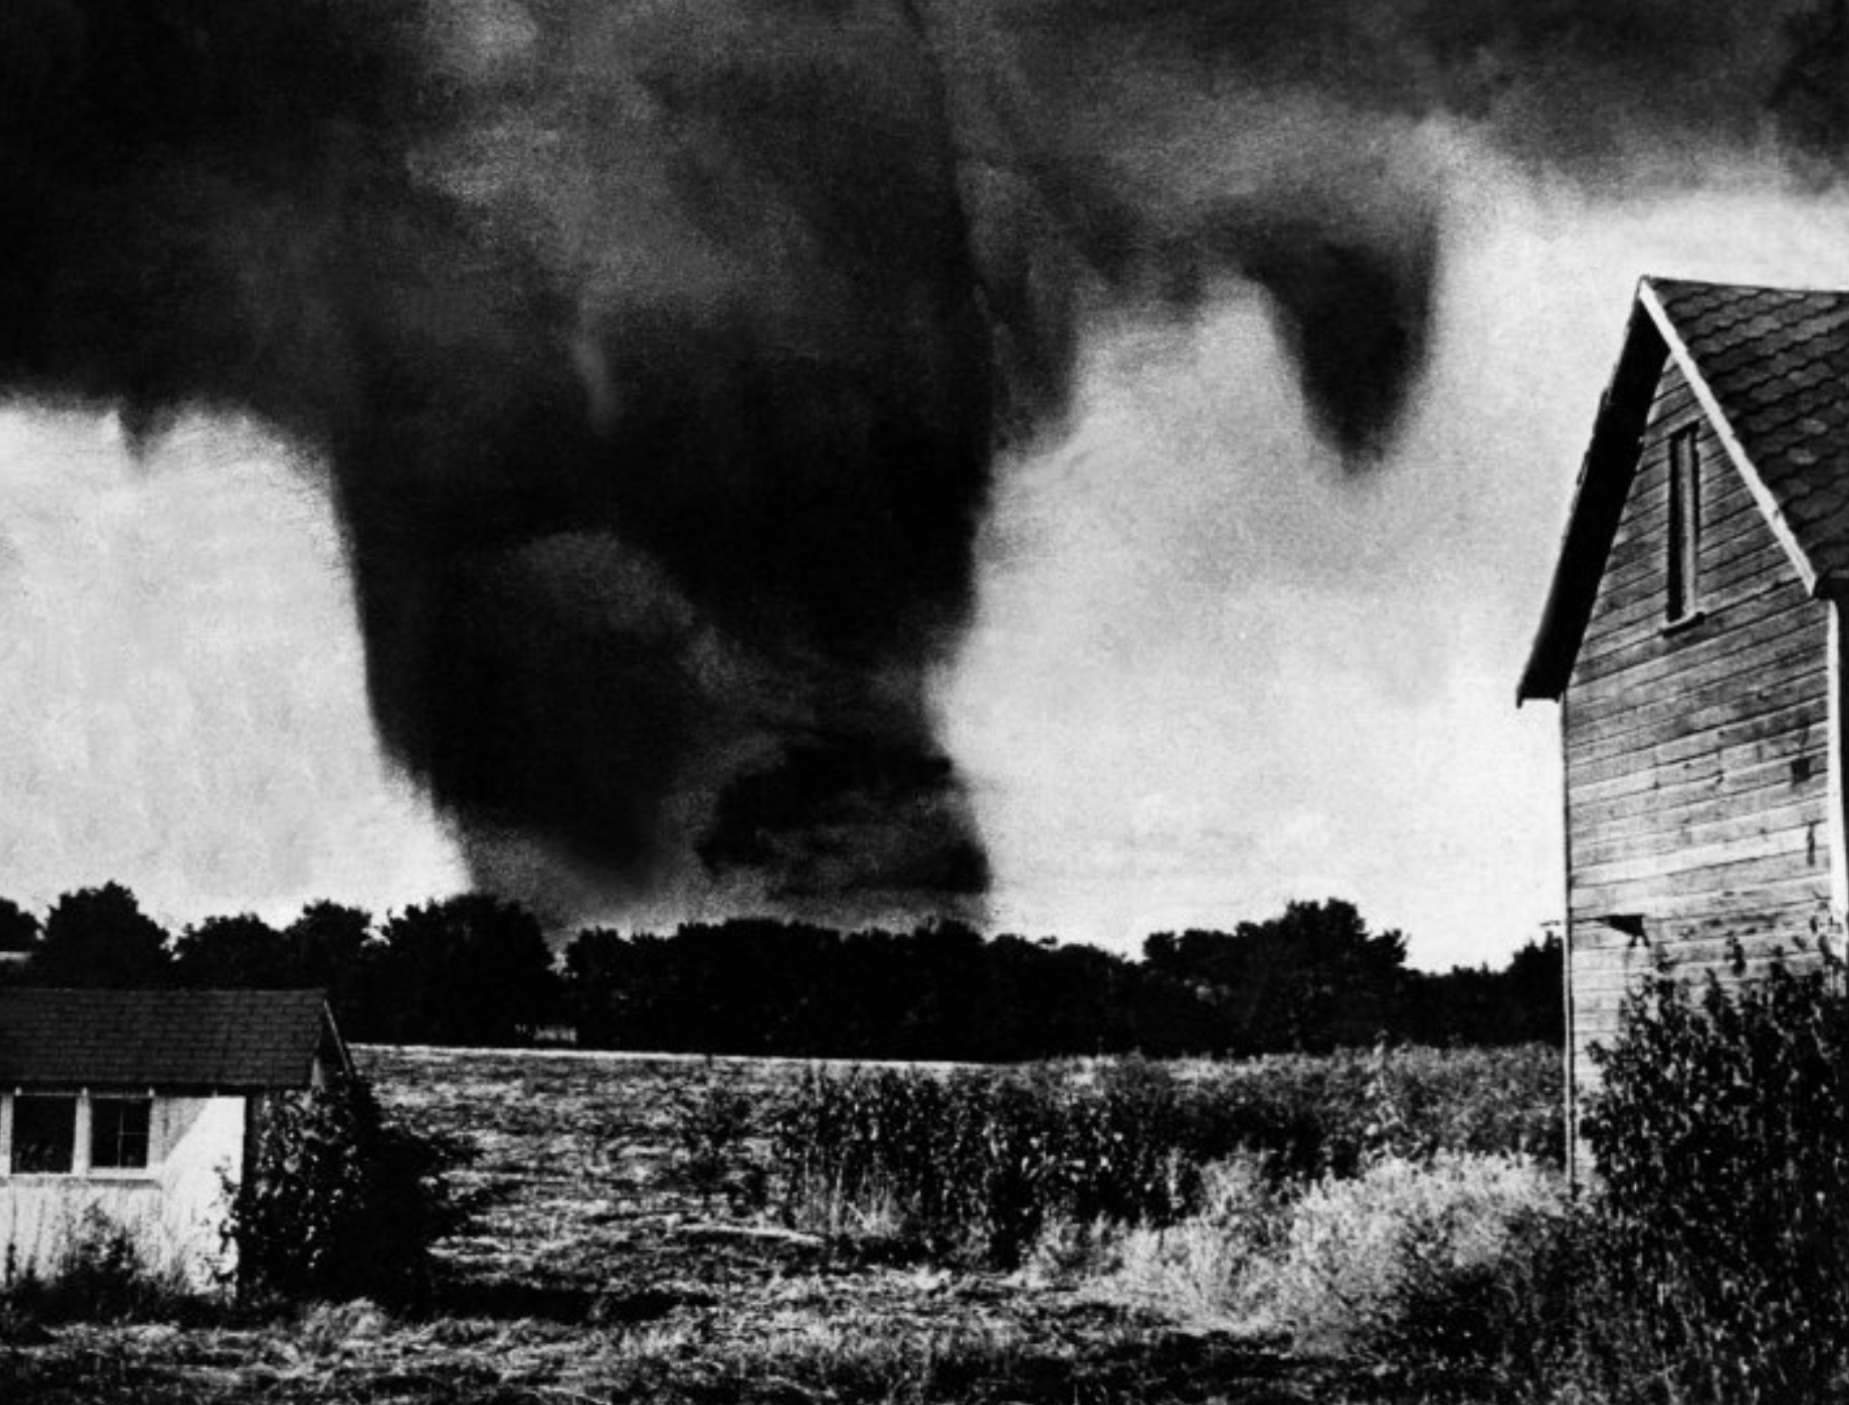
point(175, 1210)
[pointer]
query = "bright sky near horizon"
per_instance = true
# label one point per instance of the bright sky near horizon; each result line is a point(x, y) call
point(1211, 671)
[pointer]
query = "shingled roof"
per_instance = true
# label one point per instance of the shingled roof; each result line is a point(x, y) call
point(1770, 367)
point(204, 1040)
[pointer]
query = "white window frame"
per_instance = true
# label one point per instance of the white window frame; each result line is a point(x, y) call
point(81, 1169)
point(86, 1106)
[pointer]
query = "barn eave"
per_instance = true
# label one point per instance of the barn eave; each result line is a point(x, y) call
point(1598, 502)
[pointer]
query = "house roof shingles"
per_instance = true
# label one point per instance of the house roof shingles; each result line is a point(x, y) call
point(229, 1040)
point(1775, 362)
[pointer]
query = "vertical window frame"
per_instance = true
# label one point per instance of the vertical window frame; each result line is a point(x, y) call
point(1682, 593)
point(121, 1134)
point(74, 1153)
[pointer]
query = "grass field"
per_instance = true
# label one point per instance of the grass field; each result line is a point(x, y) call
point(621, 1247)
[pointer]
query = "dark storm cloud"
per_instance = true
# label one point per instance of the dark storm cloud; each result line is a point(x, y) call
point(660, 351)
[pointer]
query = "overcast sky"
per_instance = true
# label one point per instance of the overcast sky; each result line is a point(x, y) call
point(1211, 670)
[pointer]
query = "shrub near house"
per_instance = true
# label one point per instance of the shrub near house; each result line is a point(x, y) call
point(339, 1203)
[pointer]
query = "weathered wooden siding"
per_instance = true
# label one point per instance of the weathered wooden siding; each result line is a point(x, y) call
point(1697, 756)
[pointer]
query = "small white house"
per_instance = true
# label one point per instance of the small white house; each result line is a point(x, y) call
point(139, 1106)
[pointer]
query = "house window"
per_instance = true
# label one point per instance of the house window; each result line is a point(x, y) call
point(1684, 594)
point(44, 1134)
point(119, 1133)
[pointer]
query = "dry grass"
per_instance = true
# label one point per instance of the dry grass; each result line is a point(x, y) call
point(1202, 1271)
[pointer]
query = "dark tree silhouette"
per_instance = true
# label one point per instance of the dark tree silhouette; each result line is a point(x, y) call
point(19, 929)
point(19, 938)
point(468, 970)
point(1312, 978)
point(937, 992)
point(1536, 994)
point(242, 951)
point(333, 948)
point(477, 970)
point(100, 937)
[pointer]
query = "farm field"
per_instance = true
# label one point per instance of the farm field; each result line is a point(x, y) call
point(622, 1246)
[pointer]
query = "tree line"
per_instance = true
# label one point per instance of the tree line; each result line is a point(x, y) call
point(466, 970)
point(475, 969)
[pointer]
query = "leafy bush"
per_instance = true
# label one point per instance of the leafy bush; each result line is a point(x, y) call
point(1721, 1141)
point(340, 1203)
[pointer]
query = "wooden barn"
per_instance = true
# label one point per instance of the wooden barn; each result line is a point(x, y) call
point(136, 1106)
point(1693, 637)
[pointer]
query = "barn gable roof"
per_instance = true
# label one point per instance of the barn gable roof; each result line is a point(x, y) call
point(1770, 368)
point(219, 1040)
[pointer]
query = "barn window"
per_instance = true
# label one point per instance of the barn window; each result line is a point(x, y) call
point(119, 1133)
point(1684, 595)
point(44, 1134)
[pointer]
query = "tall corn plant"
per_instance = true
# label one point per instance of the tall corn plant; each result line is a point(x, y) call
point(975, 1164)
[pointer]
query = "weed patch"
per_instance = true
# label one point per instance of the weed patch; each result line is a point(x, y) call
point(102, 1273)
point(980, 1164)
point(1410, 1260)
